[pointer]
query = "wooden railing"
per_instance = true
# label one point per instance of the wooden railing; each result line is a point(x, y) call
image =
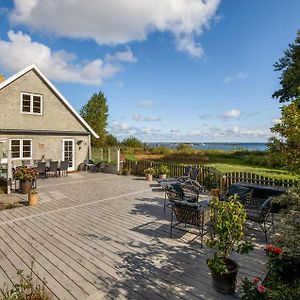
point(224, 180)
point(233, 177)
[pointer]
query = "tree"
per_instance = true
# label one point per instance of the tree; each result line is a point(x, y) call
point(132, 142)
point(184, 148)
point(289, 65)
point(95, 113)
point(287, 143)
point(111, 140)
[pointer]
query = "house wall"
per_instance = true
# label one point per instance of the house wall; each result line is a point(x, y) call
point(51, 147)
point(56, 116)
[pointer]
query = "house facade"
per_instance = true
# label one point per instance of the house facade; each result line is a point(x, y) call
point(37, 122)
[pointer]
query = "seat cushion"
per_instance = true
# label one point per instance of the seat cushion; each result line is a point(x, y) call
point(242, 192)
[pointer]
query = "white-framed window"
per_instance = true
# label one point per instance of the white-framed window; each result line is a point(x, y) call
point(31, 104)
point(21, 148)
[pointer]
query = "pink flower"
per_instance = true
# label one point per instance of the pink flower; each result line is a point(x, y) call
point(255, 280)
point(261, 288)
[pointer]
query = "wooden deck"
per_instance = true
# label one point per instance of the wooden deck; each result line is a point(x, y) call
point(101, 236)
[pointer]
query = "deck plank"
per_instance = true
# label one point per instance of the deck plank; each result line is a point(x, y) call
point(100, 236)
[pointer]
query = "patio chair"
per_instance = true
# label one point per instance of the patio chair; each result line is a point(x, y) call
point(188, 191)
point(63, 170)
point(41, 169)
point(260, 211)
point(53, 169)
point(191, 214)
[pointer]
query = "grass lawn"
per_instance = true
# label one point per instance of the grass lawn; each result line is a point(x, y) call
point(274, 173)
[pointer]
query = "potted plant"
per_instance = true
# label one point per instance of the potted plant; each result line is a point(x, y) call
point(229, 221)
point(26, 176)
point(149, 173)
point(163, 171)
point(33, 197)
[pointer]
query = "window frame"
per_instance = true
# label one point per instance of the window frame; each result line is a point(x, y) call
point(21, 148)
point(31, 95)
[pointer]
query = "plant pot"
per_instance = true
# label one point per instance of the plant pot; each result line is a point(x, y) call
point(162, 176)
point(225, 283)
point(149, 177)
point(25, 186)
point(33, 199)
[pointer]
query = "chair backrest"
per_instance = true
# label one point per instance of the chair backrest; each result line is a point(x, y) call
point(174, 192)
point(191, 190)
point(64, 165)
point(53, 166)
point(187, 170)
point(41, 167)
point(195, 173)
point(188, 213)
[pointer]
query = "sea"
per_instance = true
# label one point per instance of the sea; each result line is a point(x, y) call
point(213, 146)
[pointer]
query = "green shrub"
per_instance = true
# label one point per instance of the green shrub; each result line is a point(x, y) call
point(26, 289)
point(229, 218)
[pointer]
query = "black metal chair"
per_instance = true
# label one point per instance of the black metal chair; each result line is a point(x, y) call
point(188, 191)
point(190, 214)
point(64, 167)
point(53, 168)
point(41, 169)
point(260, 211)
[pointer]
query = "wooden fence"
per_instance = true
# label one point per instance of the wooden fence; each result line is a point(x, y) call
point(224, 180)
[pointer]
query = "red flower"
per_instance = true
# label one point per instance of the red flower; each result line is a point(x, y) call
point(255, 280)
point(277, 250)
point(273, 249)
point(261, 288)
point(269, 247)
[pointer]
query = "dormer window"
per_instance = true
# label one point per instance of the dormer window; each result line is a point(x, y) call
point(31, 103)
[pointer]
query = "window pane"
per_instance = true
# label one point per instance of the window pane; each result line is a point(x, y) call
point(26, 148)
point(27, 142)
point(26, 154)
point(15, 148)
point(26, 103)
point(37, 104)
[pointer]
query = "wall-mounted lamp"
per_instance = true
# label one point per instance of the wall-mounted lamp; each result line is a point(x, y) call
point(80, 143)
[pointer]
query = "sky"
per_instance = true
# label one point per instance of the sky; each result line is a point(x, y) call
point(172, 70)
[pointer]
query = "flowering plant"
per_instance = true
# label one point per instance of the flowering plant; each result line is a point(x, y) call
point(254, 289)
point(24, 173)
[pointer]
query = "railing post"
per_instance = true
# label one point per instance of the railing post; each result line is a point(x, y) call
point(118, 160)
point(9, 172)
point(101, 153)
point(108, 154)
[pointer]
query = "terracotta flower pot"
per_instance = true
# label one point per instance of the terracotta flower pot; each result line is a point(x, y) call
point(25, 186)
point(149, 177)
point(33, 199)
point(162, 176)
point(225, 283)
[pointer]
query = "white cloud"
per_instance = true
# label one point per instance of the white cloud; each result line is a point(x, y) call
point(141, 118)
point(237, 76)
point(122, 56)
point(276, 121)
point(146, 103)
point(20, 51)
point(119, 22)
point(231, 114)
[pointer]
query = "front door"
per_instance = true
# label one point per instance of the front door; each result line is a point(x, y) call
point(68, 153)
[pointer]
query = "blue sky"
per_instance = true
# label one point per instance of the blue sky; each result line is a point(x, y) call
point(172, 70)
